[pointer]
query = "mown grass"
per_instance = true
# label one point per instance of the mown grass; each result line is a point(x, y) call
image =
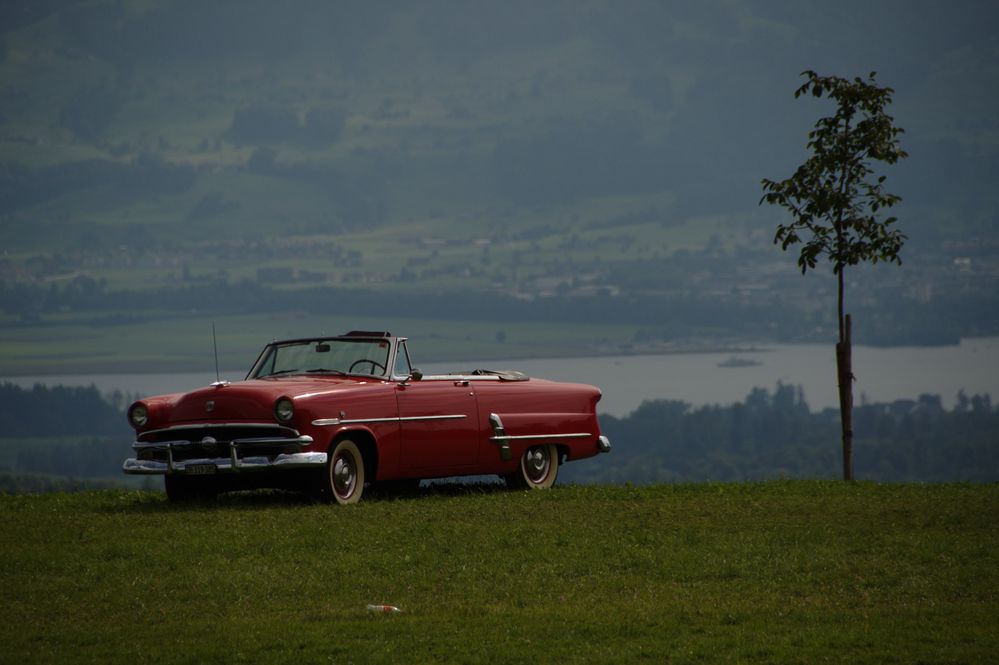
point(774, 572)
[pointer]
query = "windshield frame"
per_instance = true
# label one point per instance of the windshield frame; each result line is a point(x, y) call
point(270, 353)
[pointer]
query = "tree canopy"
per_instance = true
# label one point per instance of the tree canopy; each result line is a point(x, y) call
point(833, 200)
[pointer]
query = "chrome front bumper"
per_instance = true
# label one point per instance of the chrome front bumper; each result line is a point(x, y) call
point(241, 458)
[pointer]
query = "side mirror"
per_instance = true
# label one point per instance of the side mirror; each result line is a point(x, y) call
point(415, 374)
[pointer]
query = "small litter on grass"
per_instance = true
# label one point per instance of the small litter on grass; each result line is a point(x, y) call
point(383, 609)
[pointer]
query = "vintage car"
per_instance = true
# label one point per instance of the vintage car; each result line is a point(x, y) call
point(327, 415)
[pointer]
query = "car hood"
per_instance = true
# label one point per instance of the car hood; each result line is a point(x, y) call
point(254, 399)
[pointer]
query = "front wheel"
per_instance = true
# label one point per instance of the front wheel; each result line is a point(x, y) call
point(538, 469)
point(343, 480)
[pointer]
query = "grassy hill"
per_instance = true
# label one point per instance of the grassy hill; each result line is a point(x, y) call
point(773, 572)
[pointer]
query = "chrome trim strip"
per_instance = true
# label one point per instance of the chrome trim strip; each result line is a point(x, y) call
point(321, 422)
point(460, 377)
point(225, 465)
point(523, 437)
point(500, 437)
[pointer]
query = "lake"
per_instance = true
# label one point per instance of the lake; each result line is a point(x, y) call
point(883, 374)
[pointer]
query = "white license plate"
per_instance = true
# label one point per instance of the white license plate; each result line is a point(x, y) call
point(200, 469)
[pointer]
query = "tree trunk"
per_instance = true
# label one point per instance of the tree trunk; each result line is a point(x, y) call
point(844, 372)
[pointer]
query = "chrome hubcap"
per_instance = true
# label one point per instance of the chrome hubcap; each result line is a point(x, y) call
point(344, 476)
point(536, 464)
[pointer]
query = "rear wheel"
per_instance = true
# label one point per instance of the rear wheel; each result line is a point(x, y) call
point(343, 479)
point(538, 469)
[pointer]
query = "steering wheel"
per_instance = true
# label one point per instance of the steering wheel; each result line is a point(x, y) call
point(374, 364)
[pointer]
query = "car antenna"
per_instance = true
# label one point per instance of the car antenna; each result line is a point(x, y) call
point(218, 381)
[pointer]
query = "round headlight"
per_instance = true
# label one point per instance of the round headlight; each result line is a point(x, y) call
point(284, 409)
point(138, 415)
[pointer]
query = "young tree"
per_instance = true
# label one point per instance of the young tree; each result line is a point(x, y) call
point(835, 202)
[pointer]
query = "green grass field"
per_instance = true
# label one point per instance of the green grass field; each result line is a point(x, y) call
point(774, 572)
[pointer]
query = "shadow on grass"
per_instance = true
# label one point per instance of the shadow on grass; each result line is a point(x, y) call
point(156, 502)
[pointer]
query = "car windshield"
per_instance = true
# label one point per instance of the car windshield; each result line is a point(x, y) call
point(367, 357)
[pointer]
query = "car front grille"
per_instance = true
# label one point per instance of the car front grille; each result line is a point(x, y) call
point(207, 442)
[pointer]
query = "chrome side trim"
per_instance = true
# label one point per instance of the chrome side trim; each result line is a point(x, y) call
point(499, 436)
point(524, 437)
point(460, 377)
point(321, 422)
point(502, 439)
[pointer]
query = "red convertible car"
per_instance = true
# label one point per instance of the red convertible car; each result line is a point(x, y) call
point(328, 415)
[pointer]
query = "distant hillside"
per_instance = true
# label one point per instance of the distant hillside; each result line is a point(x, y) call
point(554, 149)
point(314, 117)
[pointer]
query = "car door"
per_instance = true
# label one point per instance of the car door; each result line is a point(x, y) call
point(439, 425)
